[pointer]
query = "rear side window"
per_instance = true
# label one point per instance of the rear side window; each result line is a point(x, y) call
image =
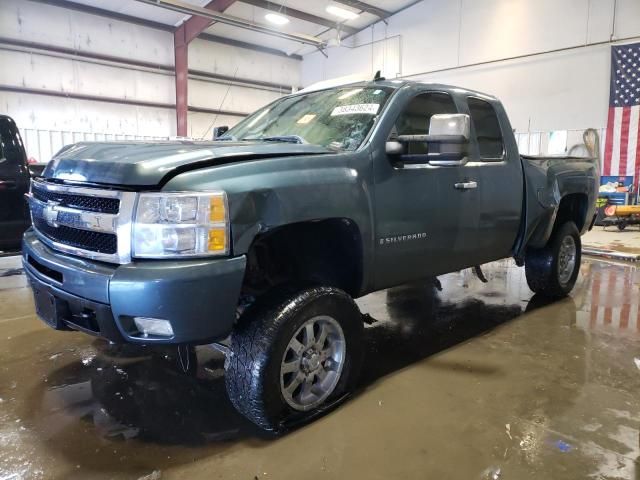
point(488, 133)
point(11, 147)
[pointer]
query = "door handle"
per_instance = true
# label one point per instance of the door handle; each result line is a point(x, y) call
point(466, 185)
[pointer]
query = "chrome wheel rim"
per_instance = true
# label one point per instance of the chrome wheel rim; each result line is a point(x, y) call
point(312, 363)
point(566, 259)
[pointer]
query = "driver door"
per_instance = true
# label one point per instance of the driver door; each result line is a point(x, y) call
point(425, 226)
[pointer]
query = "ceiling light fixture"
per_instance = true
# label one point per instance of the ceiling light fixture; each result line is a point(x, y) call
point(190, 9)
point(276, 18)
point(341, 12)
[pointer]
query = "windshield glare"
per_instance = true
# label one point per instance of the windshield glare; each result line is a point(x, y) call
point(338, 118)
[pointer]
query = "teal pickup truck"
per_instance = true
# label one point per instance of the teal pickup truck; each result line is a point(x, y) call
point(264, 236)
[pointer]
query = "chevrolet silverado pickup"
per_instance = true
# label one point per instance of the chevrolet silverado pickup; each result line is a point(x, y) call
point(264, 236)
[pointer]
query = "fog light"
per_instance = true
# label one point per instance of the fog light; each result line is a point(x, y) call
point(153, 326)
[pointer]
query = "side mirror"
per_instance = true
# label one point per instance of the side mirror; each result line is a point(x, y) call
point(219, 131)
point(393, 147)
point(455, 124)
point(448, 141)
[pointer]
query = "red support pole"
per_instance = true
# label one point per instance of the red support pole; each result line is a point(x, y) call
point(181, 38)
point(181, 50)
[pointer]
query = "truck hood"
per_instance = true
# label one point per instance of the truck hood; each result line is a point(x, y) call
point(142, 164)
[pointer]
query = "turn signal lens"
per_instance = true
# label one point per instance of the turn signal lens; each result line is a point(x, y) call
point(217, 240)
point(217, 212)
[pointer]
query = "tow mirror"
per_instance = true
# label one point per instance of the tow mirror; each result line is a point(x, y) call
point(219, 131)
point(455, 125)
point(447, 141)
point(393, 147)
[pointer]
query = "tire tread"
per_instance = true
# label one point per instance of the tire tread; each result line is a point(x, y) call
point(252, 344)
point(540, 263)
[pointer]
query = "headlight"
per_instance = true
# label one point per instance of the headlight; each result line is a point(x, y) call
point(180, 224)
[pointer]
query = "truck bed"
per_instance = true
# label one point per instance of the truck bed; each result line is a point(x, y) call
point(547, 179)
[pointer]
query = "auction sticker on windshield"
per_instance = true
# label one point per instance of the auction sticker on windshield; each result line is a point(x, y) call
point(356, 109)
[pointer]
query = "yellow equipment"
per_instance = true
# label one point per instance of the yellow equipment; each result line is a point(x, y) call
point(622, 210)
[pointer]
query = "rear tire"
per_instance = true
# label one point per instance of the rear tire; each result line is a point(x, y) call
point(622, 225)
point(552, 270)
point(278, 342)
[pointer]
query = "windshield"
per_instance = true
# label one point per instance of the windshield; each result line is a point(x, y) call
point(339, 118)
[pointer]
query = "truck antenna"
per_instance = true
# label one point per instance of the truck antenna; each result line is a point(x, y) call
point(378, 77)
point(221, 103)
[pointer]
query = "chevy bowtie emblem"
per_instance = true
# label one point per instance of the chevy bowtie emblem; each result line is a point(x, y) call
point(50, 214)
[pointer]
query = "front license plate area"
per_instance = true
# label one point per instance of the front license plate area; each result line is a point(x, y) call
point(46, 306)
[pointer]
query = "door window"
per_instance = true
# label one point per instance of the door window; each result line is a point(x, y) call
point(415, 118)
point(487, 127)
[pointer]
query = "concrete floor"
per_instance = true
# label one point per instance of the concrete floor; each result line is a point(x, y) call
point(474, 382)
point(625, 241)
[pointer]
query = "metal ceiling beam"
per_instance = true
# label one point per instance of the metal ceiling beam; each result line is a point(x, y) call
point(183, 35)
point(378, 12)
point(101, 12)
point(188, 9)
point(195, 25)
point(12, 45)
point(118, 101)
point(307, 17)
point(390, 14)
point(249, 46)
point(79, 7)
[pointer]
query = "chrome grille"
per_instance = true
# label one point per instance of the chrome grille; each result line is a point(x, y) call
point(82, 202)
point(74, 237)
point(87, 222)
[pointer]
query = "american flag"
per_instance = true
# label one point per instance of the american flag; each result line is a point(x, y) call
point(622, 148)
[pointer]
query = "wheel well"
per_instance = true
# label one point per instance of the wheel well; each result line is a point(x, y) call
point(324, 252)
point(573, 207)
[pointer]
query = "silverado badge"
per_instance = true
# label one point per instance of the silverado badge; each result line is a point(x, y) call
point(402, 238)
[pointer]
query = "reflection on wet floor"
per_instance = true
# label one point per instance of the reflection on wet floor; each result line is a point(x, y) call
point(474, 381)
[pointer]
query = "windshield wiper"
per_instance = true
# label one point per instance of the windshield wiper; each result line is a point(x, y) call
point(280, 138)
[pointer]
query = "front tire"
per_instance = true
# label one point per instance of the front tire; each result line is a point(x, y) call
point(552, 271)
point(292, 355)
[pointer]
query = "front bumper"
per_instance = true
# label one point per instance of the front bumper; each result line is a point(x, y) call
point(198, 297)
